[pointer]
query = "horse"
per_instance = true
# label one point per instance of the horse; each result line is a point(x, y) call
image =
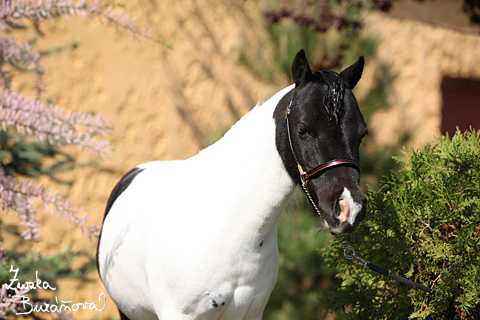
point(197, 238)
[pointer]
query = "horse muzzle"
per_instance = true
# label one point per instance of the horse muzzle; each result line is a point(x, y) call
point(349, 212)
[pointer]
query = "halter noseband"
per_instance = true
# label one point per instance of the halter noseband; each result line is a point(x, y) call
point(306, 175)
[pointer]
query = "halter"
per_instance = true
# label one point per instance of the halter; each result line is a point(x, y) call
point(306, 175)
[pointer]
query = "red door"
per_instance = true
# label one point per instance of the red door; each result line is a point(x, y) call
point(461, 105)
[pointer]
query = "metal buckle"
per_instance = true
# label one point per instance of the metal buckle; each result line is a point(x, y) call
point(303, 175)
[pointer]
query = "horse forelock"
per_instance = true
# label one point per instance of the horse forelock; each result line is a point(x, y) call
point(333, 98)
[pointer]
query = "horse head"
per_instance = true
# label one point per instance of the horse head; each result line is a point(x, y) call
point(319, 128)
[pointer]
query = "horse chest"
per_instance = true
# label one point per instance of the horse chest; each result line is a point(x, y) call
point(231, 284)
point(214, 279)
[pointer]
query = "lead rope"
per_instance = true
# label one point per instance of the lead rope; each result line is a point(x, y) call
point(346, 249)
point(349, 253)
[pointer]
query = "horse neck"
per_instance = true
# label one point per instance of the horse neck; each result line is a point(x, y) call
point(248, 166)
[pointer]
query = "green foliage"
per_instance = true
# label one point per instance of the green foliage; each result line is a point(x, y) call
point(19, 155)
point(331, 48)
point(303, 274)
point(289, 38)
point(423, 224)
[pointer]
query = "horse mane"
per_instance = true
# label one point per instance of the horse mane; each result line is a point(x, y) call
point(333, 98)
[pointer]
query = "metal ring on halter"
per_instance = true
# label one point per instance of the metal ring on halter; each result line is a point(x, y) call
point(353, 255)
point(349, 256)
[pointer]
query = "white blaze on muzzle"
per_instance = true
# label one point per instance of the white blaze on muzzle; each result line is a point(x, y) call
point(349, 209)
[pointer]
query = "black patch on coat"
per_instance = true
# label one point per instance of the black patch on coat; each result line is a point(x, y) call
point(121, 186)
point(215, 303)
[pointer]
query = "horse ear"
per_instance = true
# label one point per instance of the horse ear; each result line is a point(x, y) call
point(300, 68)
point(352, 74)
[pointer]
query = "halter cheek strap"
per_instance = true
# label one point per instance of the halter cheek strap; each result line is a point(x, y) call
point(306, 175)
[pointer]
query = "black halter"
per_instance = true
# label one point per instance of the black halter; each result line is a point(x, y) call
point(306, 175)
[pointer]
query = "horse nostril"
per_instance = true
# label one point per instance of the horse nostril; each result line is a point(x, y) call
point(343, 210)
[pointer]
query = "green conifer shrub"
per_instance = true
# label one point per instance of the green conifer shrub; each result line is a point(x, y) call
point(423, 224)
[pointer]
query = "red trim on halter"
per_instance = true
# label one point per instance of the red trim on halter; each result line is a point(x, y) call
point(330, 164)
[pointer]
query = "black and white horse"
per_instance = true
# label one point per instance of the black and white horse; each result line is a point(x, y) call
point(197, 238)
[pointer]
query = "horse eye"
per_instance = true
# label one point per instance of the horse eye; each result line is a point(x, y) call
point(302, 129)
